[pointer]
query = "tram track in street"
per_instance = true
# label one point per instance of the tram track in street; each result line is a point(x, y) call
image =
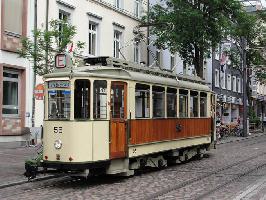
point(64, 180)
point(21, 182)
point(207, 175)
point(239, 176)
point(71, 184)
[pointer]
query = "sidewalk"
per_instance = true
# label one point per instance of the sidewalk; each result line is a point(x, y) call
point(235, 138)
point(13, 161)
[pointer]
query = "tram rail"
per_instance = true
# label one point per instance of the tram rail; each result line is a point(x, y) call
point(207, 175)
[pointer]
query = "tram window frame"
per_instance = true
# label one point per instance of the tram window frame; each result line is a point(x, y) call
point(145, 105)
point(96, 105)
point(183, 95)
point(194, 104)
point(171, 102)
point(85, 113)
point(203, 104)
point(158, 112)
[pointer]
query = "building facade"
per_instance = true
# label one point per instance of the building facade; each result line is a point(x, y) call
point(108, 28)
point(15, 72)
point(228, 85)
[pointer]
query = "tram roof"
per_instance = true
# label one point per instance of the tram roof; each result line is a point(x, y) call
point(123, 74)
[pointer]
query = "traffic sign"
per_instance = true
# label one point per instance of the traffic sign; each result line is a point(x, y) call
point(39, 92)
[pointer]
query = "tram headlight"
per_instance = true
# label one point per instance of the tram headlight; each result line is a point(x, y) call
point(58, 144)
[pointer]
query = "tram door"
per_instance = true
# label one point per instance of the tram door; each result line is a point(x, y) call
point(118, 139)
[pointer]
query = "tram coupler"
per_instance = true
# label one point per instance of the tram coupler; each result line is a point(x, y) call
point(31, 171)
point(32, 165)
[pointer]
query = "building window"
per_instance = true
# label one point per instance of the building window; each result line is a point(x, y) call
point(205, 71)
point(158, 99)
point(82, 99)
point(13, 15)
point(203, 104)
point(100, 99)
point(142, 101)
point(137, 8)
point(194, 104)
point(10, 92)
point(222, 79)
point(136, 53)
point(171, 102)
point(238, 85)
point(158, 58)
point(217, 77)
point(92, 38)
point(172, 62)
point(183, 103)
point(118, 3)
point(64, 17)
point(229, 84)
point(234, 83)
point(117, 43)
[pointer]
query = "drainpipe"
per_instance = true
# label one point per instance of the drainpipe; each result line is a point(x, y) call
point(148, 34)
point(46, 28)
point(244, 67)
point(34, 63)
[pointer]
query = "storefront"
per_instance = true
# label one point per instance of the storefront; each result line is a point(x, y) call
point(228, 109)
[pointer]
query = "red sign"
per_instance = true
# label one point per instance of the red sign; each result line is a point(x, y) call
point(39, 92)
point(60, 61)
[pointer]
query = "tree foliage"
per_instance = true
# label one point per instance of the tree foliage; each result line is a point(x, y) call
point(252, 28)
point(48, 44)
point(194, 27)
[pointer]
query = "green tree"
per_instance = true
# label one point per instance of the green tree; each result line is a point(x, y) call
point(48, 44)
point(250, 27)
point(193, 27)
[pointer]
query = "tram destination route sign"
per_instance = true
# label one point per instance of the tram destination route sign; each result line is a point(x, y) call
point(58, 84)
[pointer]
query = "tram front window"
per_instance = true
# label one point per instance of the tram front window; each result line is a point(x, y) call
point(58, 104)
point(82, 99)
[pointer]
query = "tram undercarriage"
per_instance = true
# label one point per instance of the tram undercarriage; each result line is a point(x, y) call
point(120, 167)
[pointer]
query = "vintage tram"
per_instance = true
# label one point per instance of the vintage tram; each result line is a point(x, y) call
point(112, 116)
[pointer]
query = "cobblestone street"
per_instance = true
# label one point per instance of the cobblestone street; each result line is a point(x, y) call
point(235, 170)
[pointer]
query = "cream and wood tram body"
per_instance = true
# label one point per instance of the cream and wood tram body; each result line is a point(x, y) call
point(111, 116)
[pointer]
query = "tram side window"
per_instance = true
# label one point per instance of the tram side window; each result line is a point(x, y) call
point(82, 99)
point(183, 103)
point(142, 101)
point(203, 104)
point(158, 99)
point(194, 104)
point(171, 102)
point(100, 99)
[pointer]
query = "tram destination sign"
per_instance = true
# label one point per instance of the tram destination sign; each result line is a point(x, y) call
point(58, 84)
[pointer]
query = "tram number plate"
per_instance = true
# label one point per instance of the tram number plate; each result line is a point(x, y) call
point(58, 129)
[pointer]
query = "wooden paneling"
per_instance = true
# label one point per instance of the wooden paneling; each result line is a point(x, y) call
point(152, 130)
point(118, 139)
